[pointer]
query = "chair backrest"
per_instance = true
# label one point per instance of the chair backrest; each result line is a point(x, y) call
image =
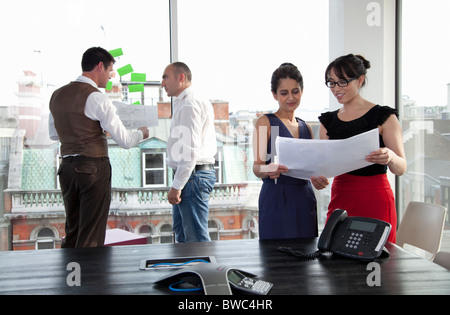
point(422, 226)
point(443, 259)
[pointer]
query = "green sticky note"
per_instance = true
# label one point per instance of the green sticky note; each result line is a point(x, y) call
point(125, 70)
point(109, 86)
point(136, 88)
point(138, 77)
point(116, 52)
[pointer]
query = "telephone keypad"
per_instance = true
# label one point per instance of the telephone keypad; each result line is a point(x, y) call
point(255, 286)
point(356, 239)
point(250, 285)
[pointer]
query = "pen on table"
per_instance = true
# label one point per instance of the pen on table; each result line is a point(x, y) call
point(275, 161)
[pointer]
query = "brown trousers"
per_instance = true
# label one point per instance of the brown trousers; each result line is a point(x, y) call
point(86, 189)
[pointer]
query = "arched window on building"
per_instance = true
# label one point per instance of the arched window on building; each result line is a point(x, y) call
point(250, 227)
point(45, 239)
point(147, 231)
point(125, 227)
point(166, 234)
point(213, 229)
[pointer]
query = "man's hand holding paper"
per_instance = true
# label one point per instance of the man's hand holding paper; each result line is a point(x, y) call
point(329, 158)
point(135, 116)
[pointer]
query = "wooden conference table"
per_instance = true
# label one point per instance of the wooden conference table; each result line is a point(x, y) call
point(115, 270)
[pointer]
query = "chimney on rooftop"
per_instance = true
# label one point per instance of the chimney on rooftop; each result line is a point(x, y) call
point(29, 102)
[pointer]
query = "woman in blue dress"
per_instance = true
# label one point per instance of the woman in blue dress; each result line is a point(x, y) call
point(287, 206)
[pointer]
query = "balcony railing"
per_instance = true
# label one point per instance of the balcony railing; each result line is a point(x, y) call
point(127, 199)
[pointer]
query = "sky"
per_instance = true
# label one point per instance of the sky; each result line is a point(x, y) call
point(248, 40)
point(50, 36)
point(426, 51)
point(232, 53)
point(232, 47)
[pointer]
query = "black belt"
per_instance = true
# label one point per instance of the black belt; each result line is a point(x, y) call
point(204, 167)
point(200, 167)
point(84, 158)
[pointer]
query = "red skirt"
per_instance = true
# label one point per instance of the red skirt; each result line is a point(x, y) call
point(365, 196)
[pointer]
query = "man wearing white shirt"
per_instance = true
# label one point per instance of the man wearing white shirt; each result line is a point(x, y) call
point(79, 116)
point(191, 148)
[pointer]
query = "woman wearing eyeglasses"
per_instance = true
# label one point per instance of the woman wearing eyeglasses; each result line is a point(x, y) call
point(364, 192)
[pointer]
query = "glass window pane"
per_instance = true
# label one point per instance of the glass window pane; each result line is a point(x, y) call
point(425, 108)
point(154, 161)
point(44, 52)
point(166, 228)
point(45, 232)
point(154, 177)
point(45, 244)
point(232, 48)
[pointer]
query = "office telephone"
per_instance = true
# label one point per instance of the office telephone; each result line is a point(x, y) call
point(355, 237)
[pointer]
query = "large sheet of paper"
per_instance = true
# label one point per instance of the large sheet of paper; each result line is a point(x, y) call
point(329, 158)
point(135, 116)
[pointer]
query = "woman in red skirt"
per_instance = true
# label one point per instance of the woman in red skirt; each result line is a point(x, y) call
point(364, 192)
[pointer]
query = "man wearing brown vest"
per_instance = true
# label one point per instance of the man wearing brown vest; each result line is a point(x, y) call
point(80, 115)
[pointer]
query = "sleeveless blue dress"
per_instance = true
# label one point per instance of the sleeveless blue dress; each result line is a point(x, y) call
point(287, 209)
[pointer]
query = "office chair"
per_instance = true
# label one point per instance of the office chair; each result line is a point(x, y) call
point(443, 259)
point(422, 226)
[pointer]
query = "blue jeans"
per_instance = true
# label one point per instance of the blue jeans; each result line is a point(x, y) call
point(190, 216)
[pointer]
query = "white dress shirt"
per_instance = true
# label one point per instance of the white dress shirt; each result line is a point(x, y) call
point(192, 139)
point(100, 108)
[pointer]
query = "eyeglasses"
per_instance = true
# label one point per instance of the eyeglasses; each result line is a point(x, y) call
point(340, 83)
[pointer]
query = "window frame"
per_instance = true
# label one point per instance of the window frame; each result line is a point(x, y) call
point(163, 168)
point(45, 240)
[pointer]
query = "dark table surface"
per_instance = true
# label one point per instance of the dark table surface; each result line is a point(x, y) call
point(115, 270)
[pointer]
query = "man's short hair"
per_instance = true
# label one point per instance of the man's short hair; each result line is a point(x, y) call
point(93, 56)
point(181, 67)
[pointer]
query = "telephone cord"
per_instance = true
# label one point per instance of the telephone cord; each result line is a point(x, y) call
point(300, 254)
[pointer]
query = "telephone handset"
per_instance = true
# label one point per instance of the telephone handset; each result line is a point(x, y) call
point(355, 237)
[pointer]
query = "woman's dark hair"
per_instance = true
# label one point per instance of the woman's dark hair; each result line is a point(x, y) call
point(348, 67)
point(286, 70)
point(93, 56)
